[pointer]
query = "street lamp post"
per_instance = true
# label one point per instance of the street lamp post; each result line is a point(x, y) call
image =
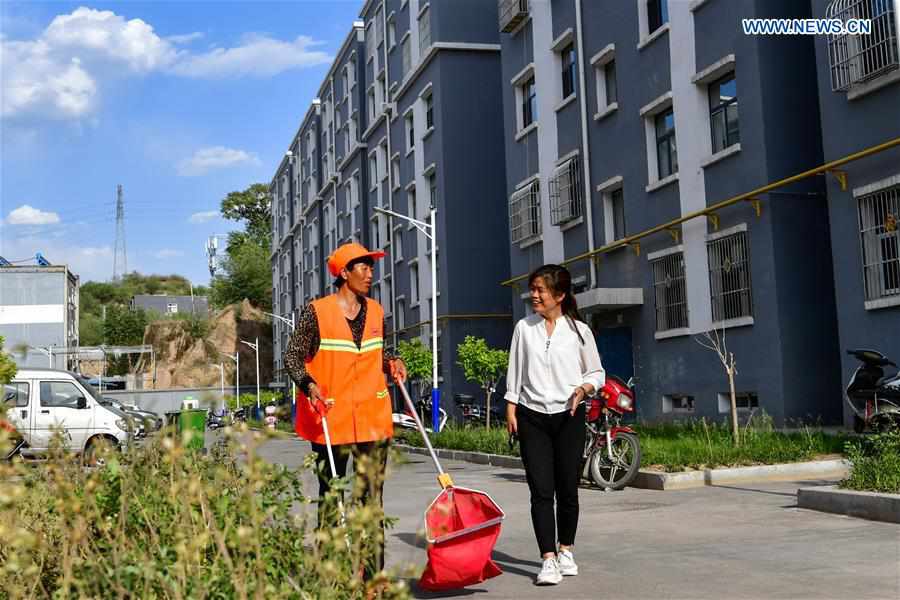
point(256, 350)
point(429, 230)
point(293, 325)
point(237, 377)
point(47, 351)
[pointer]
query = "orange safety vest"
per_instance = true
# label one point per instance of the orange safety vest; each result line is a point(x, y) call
point(351, 375)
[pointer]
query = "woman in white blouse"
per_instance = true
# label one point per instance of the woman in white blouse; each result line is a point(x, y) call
point(553, 366)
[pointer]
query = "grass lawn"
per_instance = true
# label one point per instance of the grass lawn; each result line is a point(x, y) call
point(673, 447)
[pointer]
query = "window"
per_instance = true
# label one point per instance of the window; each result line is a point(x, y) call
point(414, 283)
point(566, 192)
point(15, 394)
point(392, 33)
point(382, 161)
point(666, 152)
point(856, 59)
point(677, 403)
point(379, 28)
point(370, 99)
point(413, 209)
point(744, 401)
point(395, 172)
point(407, 55)
point(373, 171)
point(410, 133)
point(345, 81)
point(429, 111)
point(397, 245)
point(568, 70)
point(729, 277)
point(432, 190)
point(376, 293)
point(657, 14)
point(617, 200)
point(723, 113)
point(370, 41)
point(424, 31)
point(172, 308)
point(609, 78)
point(670, 292)
point(879, 232)
point(525, 213)
point(529, 103)
point(388, 290)
point(60, 394)
point(376, 232)
point(401, 315)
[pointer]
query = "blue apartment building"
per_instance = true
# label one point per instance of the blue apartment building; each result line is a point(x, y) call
point(622, 139)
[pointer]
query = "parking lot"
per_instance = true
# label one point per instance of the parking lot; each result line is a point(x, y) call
point(714, 542)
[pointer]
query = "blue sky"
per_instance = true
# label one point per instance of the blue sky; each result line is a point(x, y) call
point(180, 102)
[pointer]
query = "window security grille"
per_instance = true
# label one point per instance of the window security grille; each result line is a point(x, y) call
point(729, 277)
point(511, 13)
point(424, 32)
point(879, 232)
point(525, 213)
point(855, 59)
point(565, 192)
point(670, 292)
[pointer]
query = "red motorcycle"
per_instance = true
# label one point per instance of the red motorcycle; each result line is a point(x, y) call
point(612, 451)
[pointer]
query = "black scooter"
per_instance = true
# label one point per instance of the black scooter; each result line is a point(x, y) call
point(873, 396)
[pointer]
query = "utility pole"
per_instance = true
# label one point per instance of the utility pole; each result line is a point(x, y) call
point(120, 257)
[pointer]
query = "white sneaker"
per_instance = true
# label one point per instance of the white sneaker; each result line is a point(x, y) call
point(566, 561)
point(549, 574)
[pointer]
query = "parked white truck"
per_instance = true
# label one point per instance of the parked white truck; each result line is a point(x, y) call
point(42, 402)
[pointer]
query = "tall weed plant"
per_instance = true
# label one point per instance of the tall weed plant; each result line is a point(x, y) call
point(166, 522)
point(875, 463)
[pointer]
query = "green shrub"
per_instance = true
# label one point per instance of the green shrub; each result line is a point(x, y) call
point(875, 463)
point(164, 522)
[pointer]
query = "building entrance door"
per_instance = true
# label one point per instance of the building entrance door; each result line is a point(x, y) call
point(614, 344)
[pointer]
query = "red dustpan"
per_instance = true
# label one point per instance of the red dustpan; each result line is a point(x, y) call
point(461, 527)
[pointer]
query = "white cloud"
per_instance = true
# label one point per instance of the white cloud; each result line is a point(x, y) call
point(216, 157)
point(260, 56)
point(28, 215)
point(203, 217)
point(167, 253)
point(59, 74)
point(186, 38)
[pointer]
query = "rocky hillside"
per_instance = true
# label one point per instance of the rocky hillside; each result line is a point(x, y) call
point(186, 351)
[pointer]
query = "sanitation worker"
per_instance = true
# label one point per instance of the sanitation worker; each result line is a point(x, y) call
point(336, 356)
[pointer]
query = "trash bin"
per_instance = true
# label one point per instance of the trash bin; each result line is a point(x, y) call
point(194, 421)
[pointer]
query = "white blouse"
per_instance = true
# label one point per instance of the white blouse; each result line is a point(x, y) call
point(545, 370)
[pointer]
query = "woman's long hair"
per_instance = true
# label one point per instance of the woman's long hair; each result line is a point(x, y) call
point(559, 281)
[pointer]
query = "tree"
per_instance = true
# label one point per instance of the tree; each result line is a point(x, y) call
point(717, 344)
point(7, 366)
point(418, 359)
point(252, 206)
point(483, 365)
point(123, 327)
point(246, 275)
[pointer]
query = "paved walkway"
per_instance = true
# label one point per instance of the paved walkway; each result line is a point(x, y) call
point(715, 542)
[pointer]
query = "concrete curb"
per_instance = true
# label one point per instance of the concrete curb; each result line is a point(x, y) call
point(817, 469)
point(658, 480)
point(864, 505)
point(480, 458)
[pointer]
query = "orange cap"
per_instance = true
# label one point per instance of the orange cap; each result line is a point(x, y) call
point(346, 253)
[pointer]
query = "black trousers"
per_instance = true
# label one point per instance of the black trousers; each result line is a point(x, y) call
point(551, 447)
point(368, 483)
